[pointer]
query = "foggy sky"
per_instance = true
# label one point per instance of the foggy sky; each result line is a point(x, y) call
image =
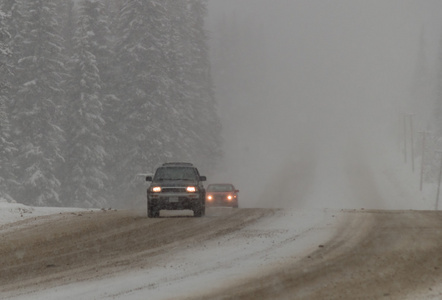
point(332, 78)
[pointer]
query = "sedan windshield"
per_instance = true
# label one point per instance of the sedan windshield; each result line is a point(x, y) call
point(220, 188)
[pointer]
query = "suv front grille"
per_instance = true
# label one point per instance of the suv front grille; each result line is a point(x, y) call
point(173, 190)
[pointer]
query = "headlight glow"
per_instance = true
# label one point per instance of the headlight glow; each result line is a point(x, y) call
point(156, 189)
point(209, 197)
point(191, 189)
point(229, 197)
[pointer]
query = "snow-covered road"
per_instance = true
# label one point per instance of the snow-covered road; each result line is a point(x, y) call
point(163, 258)
point(245, 253)
point(232, 253)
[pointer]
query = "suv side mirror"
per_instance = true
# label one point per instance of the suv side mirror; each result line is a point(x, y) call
point(203, 178)
point(236, 191)
point(148, 178)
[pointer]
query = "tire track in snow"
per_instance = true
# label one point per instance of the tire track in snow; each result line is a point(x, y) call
point(375, 254)
point(69, 248)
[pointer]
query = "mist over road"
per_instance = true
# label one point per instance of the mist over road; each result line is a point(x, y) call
point(298, 83)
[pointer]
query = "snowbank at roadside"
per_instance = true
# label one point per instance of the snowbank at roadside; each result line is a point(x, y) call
point(12, 212)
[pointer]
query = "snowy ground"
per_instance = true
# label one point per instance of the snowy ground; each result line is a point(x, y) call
point(213, 263)
point(13, 212)
point(380, 240)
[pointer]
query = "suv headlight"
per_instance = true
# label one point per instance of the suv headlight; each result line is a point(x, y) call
point(191, 189)
point(156, 189)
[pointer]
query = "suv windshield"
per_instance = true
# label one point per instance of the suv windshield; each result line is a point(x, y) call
point(175, 173)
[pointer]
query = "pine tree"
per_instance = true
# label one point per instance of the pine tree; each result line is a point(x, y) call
point(167, 110)
point(67, 18)
point(205, 124)
point(5, 57)
point(85, 153)
point(37, 107)
point(7, 149)
point(129, 90)
point(106, 62)
point(140, 135)
point(13, 23)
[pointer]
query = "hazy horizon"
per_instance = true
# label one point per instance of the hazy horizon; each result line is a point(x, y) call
point(305, 82)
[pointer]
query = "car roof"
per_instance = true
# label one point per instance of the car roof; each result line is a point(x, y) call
point(177, 164)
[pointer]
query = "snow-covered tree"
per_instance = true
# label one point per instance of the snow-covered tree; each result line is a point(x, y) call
point(98, 91)
point(13, 23)
point(67, 18)
point(105, 28)
point(5, 57)
point(203, 125)
point(6, 74)
point(167, 110)
point(142, 88)
point(84, 179)
point(37, 105)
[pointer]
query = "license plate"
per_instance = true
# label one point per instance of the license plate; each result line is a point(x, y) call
point(173, 199)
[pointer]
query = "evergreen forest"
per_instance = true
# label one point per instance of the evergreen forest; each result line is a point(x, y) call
point(94, 92)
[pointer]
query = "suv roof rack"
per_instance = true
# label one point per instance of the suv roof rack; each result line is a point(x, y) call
point(177, 164)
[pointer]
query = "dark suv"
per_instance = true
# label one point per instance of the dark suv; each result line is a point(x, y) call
point(176, 186)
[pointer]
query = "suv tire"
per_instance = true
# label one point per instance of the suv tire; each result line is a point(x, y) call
point(199, 210)
point(153, 211)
